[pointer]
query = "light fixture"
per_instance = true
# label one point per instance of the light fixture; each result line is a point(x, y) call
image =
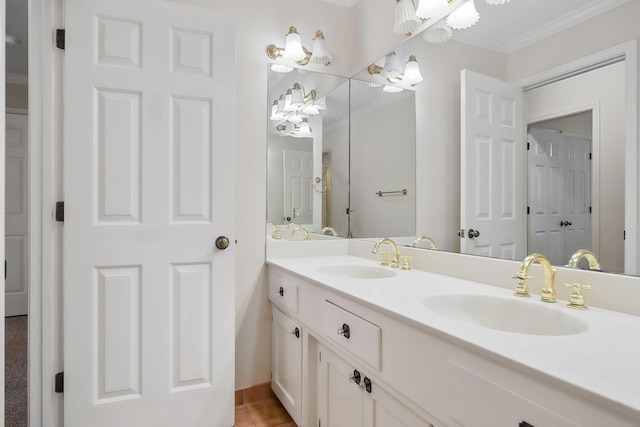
point(406, 20)
point(11, 40)
point(279, 68)
point(412, 73)
point(438, 33)
point(295, 52)
point(277, 113)
point(463, 17)
point(393, 70)
point(392, 89)
point(303, 131)
point(429, 8)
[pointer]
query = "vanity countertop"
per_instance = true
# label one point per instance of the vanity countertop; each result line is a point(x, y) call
point(601, 363)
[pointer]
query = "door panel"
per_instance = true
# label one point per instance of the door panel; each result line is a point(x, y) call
point(16, 215)
point(149, 185)
point(298, 182)
point(492, 156)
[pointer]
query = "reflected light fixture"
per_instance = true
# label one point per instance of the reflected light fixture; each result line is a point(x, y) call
point(463, 17)
point(11, 40)
point(438, 33)
point(295, 52)
point(429, 8)
point(304, 130)
point(406, 20)
point(392, 89)
point(394, 72)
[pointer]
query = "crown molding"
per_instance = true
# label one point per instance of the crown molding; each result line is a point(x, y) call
point(17, 79)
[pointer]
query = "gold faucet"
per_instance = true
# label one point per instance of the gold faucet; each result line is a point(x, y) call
point(330, 231)
point(583, 253)
point(395, 260)
point(304, 230)
point(276, 231)
point(429, 240)
point(548, 293)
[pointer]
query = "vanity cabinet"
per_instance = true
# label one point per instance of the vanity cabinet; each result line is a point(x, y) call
point(416, 375)
point(347, 397)
point(286, 363)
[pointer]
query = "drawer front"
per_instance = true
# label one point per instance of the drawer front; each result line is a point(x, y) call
point(353, 333)
point(283, 291)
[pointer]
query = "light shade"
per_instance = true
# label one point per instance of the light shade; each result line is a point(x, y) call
point(321, 104)
point(430, 8)
point(392, 89)
point(287, 102)
point(295, 118)
point(279, 68)
point(463, 17)
point(275, 114)
point(406, 19)
point(297, 97)
point(438, 33)
point(412, 73)
point(293, 46)
point(304, 131)
point(320, 54)
point(391, 70)
point(497, 2)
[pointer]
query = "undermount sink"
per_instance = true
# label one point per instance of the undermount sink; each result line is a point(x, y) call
point(356, 271)
point(506, 314)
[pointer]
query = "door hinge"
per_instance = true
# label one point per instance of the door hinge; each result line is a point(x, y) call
point(60, 38)
point(528, 210)
point(59, 382)
point(528, 146)
point(60, 211)
point(590, 156)
point(589, 209)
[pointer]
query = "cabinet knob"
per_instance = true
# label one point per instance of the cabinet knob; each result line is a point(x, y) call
point(355, 377)
point(344, 331)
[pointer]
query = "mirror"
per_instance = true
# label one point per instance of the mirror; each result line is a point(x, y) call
point(354, 175)
point(439, 151)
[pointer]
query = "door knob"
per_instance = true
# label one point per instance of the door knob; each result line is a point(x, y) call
point(222, 242)
point(473, 233)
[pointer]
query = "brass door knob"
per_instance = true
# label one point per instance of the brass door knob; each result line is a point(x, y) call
point(473, 233)
point(222, 242)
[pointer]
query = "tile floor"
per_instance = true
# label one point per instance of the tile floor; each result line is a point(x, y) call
point(264, 413)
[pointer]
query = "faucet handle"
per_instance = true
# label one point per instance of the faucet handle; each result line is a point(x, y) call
point(523, 277)
point(406, 262)
point(385, 258)
point(576, 299)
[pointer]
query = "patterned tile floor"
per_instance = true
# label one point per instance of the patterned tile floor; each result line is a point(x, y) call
point(265, 413)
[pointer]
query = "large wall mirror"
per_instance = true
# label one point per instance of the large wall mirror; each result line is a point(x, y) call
point(341, 161)
point(576, 178)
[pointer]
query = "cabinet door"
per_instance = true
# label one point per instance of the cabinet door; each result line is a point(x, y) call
point(340, 401)
point(381, 409)
point(286, 363)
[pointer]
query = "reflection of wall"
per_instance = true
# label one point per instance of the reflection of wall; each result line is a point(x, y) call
point(277, 146)
point(382, 159)
point(336, 141)
point(438, 135)
point(16, 96)
point(604, 88)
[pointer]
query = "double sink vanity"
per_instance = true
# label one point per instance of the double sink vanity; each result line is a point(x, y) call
point(356, 343)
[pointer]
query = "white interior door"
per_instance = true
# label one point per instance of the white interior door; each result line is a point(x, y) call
point(493, 188)
point(16, 217)
point(578, 195)
point(149, 185)
point(298, 182)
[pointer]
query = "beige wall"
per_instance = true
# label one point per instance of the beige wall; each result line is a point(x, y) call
point(17, 96)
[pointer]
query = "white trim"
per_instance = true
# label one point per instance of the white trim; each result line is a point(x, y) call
point(16, 79)
point(629, 51)
point(3, 54)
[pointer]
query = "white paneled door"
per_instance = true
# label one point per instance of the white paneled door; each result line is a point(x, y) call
point(16, 218)
point(493, 156)
point(149, 186)
point(298, 182)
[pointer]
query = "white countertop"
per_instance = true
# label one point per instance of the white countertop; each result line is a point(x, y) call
point(603, 362)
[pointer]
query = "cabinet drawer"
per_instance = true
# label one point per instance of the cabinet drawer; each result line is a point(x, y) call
point(283, 291)
point(351, 332)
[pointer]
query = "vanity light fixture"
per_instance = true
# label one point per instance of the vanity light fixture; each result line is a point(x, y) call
point(296, 98)
point(295, 52)
point(464, 17)
point(406, 20)
point(304, 131)
point(393, 70)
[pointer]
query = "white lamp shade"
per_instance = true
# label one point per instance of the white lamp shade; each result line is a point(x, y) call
point(275, 115)
point(497, 2)
point(297, 98)
point(304, 131)
point(279, 68)
point(431, 8)
point(463, 17)
point(296, 118)
point(438, 33)
point(287, 103)
point(392, 89)
point(406, 19)
point(281, 104)
point(412, 73)
point(293, 46)
point(311, 109)
point(391, 70)
point(320, 54)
